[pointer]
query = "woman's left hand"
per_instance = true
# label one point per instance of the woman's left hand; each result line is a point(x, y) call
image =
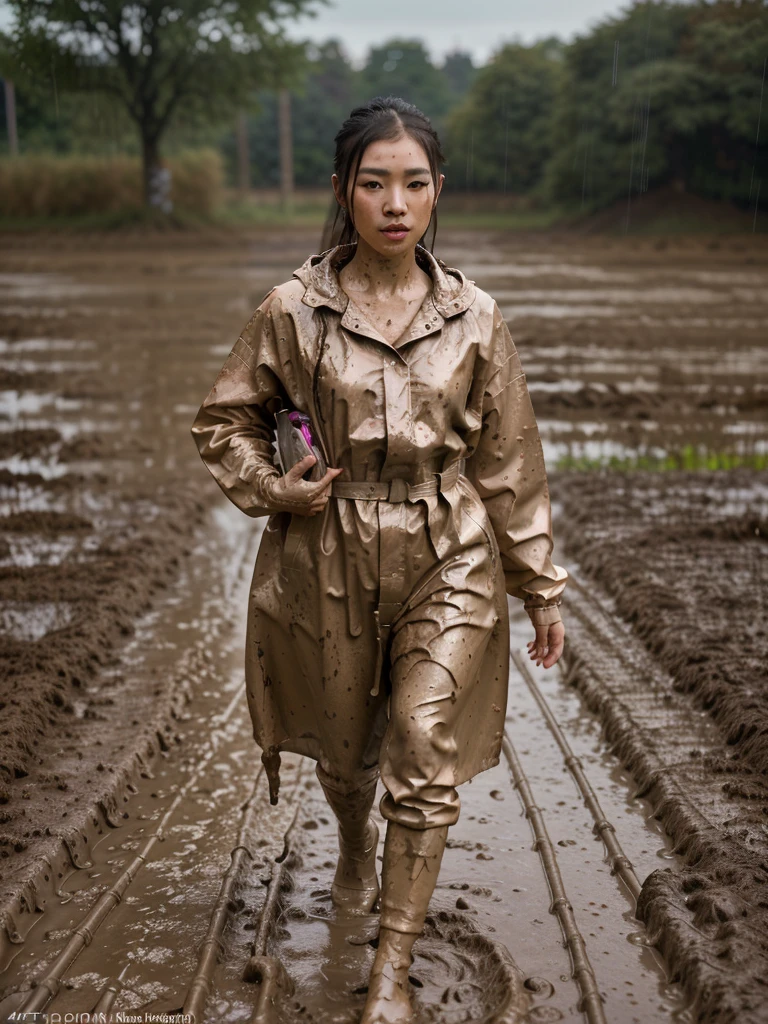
point(548, 645)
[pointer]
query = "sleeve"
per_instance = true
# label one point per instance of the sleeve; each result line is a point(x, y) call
point(507, 470)
point(233, 429)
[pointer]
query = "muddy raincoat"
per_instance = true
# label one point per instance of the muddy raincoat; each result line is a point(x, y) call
point(398, 586)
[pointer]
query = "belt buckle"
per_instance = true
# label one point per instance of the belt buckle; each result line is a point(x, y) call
point(398, 490)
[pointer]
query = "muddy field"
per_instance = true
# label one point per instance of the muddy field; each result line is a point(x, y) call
point(123, 580)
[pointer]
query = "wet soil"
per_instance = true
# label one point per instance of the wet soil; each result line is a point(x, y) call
point(491, 952)
point(106, 356)
point(637, 353)
point(684, 558)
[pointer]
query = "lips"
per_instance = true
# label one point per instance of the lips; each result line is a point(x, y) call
point(396, 231)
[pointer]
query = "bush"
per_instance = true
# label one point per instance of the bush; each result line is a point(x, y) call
point(44, 185)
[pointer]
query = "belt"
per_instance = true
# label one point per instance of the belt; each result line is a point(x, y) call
point(391, 491)
point(395, 490)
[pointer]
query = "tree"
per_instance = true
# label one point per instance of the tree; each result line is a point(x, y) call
point(402, 67)
point(155, 56)
point(499, 138)
point(319, 104)
point(666, 93)
point(460, 72)
point(323, 102)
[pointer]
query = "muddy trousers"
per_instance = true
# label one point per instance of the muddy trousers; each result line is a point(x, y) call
point(416, 761)
point(417, 765)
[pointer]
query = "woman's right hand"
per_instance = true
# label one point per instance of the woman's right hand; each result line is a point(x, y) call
point(289, 493)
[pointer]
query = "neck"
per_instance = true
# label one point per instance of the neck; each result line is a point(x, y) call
point(381, 276)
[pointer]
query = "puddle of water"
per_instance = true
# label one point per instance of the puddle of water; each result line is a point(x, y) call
point(566, 385)
point(614, 296)
point(545, 267)
point(40, 311)
point(51, 366)
point(31, 620)
point(194, 855)
point(554, 311)
point(182, 409)
point(44, 345)
point(82, 426)
point(719, 323)
point(49, 469)
point(44, 286)
point(14, 404)
point(26, 550)
point(630, 975)
point(479, 271)
point(598, 452)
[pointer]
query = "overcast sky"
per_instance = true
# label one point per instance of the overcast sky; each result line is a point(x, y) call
point(480, 26)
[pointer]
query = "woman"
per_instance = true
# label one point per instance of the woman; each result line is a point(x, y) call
point(378, 636)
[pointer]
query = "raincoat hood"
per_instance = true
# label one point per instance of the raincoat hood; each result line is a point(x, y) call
point(452, 292)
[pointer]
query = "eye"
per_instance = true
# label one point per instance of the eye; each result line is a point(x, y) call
point(367, 183)
point(424, 183)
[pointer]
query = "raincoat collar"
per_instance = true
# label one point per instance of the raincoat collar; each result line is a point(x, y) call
point(452, 292)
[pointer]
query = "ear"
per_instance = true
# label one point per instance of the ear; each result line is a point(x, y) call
point(335, 183)
point(440, 181)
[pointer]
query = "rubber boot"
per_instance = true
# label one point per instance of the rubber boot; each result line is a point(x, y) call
point(412, 859)
point(355, 887)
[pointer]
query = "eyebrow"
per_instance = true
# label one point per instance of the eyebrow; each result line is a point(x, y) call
point(384, 171)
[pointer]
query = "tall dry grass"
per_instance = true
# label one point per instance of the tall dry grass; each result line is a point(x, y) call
point(45, 185)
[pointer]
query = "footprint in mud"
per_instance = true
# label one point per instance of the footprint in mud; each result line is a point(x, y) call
point(459, 975)
point(465, 976)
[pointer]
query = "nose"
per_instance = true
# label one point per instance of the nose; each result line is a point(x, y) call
point(396, 200)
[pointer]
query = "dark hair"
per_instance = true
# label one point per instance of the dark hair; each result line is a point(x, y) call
point(384, 118)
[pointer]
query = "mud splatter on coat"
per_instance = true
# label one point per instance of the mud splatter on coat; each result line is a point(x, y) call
point(346, 604)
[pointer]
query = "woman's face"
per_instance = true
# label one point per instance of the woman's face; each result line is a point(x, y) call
point(393, 188)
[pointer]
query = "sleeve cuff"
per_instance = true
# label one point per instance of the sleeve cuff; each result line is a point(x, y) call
point(544, 616)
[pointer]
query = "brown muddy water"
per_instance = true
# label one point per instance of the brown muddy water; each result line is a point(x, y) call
point(127, 755)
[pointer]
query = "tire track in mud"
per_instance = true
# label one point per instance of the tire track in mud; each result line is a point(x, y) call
point(705, 918)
